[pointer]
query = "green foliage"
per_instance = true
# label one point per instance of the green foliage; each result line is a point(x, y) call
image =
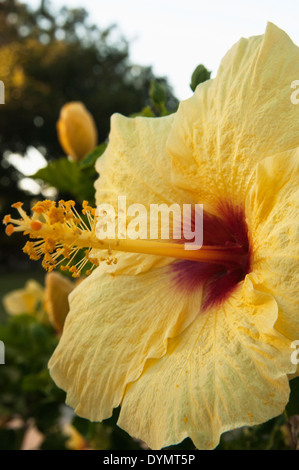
point(55, 441)
point(158, 105)
point(272, 435)
point(11, 439)
point(63, 174)
point(27, 390)
point(200, 75)
point(90, 160)
point(293, 405)
point(157, 95)
point(72, 178)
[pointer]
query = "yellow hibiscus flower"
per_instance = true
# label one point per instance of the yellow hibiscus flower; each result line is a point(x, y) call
point(195, 347)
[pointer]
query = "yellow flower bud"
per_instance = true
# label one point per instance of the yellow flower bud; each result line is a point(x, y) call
point(25, 300)
point(77, 131)
point(57, 290)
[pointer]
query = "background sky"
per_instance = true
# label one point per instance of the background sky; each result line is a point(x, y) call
point(174, 36)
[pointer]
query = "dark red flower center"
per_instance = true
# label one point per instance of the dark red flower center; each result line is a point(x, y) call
point(229, 230)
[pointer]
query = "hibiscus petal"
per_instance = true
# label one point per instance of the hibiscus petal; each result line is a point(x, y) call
point(137, 165)
point(272, 216)
point(234, 121)
point(228, 369)
point(114, 325)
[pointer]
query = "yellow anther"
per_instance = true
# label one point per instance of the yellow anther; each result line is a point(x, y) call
point(69, 205)
point(66, 252)
point(87, 208)
point(49, 246)
point(64, 268)
point(43, 206)
point(56, 214)
point(75, 271)
point(29, 249)
point(48, 263)
point(17, 205)
point(38, 209)
point(76, 274)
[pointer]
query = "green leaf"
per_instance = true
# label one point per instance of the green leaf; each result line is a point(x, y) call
point(54, 441)
point(200, 75)
point(63, 174)
point(266, 436)
point(292, 407)
point(147, 112)
point(36, 382)
point(11, 439)
point(82, 425)
point(47, 416)
point(157, 93)
point(73, 178)
point(92, 157)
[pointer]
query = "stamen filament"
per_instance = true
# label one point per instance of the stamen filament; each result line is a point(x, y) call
point(209, 254)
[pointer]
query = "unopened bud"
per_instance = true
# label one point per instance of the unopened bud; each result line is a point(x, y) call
point(77, 131)
point(56, 302)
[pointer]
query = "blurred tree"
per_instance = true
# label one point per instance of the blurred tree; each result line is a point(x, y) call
point(48, 58)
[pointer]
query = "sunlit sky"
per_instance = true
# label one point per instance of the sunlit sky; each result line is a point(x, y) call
point(174, 36)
